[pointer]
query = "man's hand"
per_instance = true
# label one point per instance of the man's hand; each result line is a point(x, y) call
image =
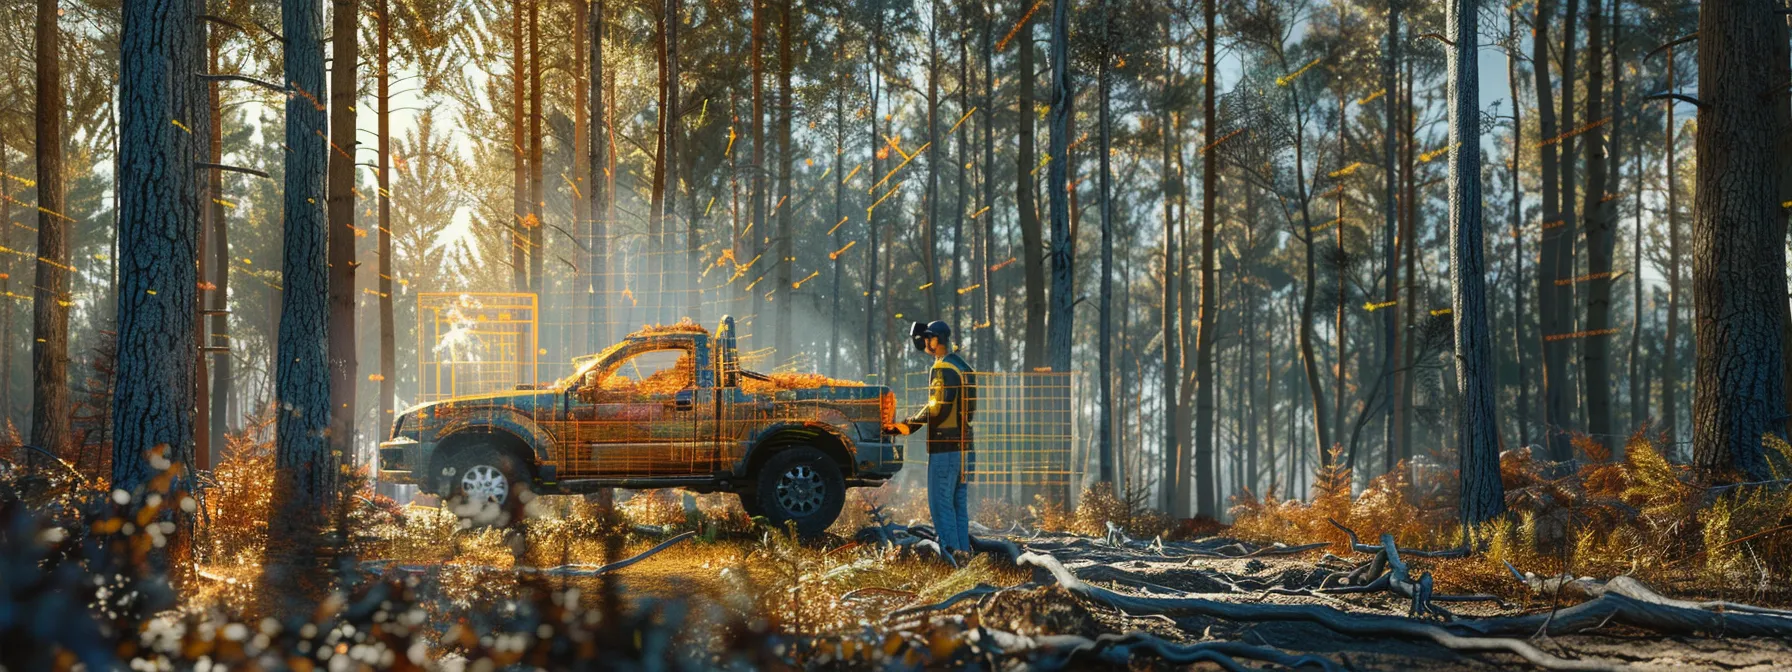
point(896, 428)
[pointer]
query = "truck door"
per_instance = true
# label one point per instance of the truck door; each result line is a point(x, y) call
point(638, 417)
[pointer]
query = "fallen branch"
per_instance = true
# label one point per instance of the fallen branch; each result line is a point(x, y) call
point(979, 590)
point(1338, 621)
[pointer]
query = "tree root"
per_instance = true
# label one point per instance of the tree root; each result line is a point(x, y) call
point(1626, 601)
point(1329, 617)
point(1059, 651)
point(1398, 580)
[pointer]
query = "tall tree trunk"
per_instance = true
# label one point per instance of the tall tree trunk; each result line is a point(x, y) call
point(344, 56)
point(597, 240)
point(1738, 241)
point(50, 295)
point(673, 119)
point(656, 208)
point(1175, 480)
point(1601, 230)
point(1390, 329)
point(223, 381)
point(997, 351)
point(1518, 289)
point(1553, 262)
point(1104, 432)
point(1638, 395)
point(537, 258)
point(931, 197)
point(7, 268)
point(756, 194)
point(1341, 335)
point(1322, 431)
point(1568, 318)
point(786, 345)
point(1409, 215)
point(306, 475)
point(158, 228)
point(388, 330)
point(873, 81)
point(962, 161)
point(1670, 350)
point(519, 194)
point(839, 216)
point(1206, 496)
point(1478, 443)
point(1063, 249)
point(1032, 242)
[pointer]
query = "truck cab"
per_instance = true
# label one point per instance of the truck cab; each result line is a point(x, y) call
point(667, 406)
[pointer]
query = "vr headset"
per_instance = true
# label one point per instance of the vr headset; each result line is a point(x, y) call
point(918, 334)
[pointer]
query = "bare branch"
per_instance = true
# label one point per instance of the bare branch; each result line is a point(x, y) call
point(234, 169)
point(243, 78)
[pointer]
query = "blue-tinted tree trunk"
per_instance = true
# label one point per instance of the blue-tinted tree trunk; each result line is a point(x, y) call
point(158, 220)
point(1478, 441)
point(306, 475)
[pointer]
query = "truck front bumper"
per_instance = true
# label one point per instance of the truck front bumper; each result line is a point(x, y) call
point(402, 460)
point(878, 460)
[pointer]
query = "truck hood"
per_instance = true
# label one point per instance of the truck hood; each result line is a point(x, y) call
point(520, 399)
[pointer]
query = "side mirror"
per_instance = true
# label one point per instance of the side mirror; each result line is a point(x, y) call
point(587, 390)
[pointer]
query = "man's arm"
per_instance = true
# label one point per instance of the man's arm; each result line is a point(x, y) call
point(942, 391)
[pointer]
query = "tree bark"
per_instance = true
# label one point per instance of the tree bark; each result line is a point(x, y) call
point(1601, 236)
point(1553, 262)
point(1063, 249)
point(50, 295)
point(1390, 333)
point(1032, 254)
point(7, 268)
point(1104, 432)
point(519, 190)
point(1206, 495)
point(223, 382)
point(597, 240)
point(1175, 480)
point(537, 259)
point(345, 54)
point(1518, 315)
point(997, 352)
point(1670, 367)
point(1567, 317)
point(1738, 241)
point(388, 332)
point(306, 475)
point(158, 218)
point(786, 345)
point(1478, 444)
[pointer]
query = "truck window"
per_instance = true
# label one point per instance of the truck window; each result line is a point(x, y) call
point(653, 372)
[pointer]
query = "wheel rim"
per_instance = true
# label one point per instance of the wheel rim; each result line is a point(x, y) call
point(484, 483)
point(800, 490)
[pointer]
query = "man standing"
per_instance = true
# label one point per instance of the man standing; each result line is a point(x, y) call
point(951, 405)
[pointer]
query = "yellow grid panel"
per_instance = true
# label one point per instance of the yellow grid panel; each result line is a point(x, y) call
point(1024, 431)
point(474, 343)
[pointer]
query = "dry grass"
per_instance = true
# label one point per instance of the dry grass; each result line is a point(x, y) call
point(1642, 516)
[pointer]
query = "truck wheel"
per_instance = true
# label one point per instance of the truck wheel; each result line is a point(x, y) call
point(803, 485)
point(485, 487)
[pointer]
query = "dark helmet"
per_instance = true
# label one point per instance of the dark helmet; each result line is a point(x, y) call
point(936, 329)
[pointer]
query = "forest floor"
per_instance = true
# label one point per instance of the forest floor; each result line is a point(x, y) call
point(883, 587)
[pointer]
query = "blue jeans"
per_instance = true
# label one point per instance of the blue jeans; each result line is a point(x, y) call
point(947, 498)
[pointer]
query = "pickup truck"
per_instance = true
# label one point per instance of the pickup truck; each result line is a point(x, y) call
point(668, 407)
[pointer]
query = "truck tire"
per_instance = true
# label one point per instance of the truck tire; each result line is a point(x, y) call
point(485, 486)
point(801, 485)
